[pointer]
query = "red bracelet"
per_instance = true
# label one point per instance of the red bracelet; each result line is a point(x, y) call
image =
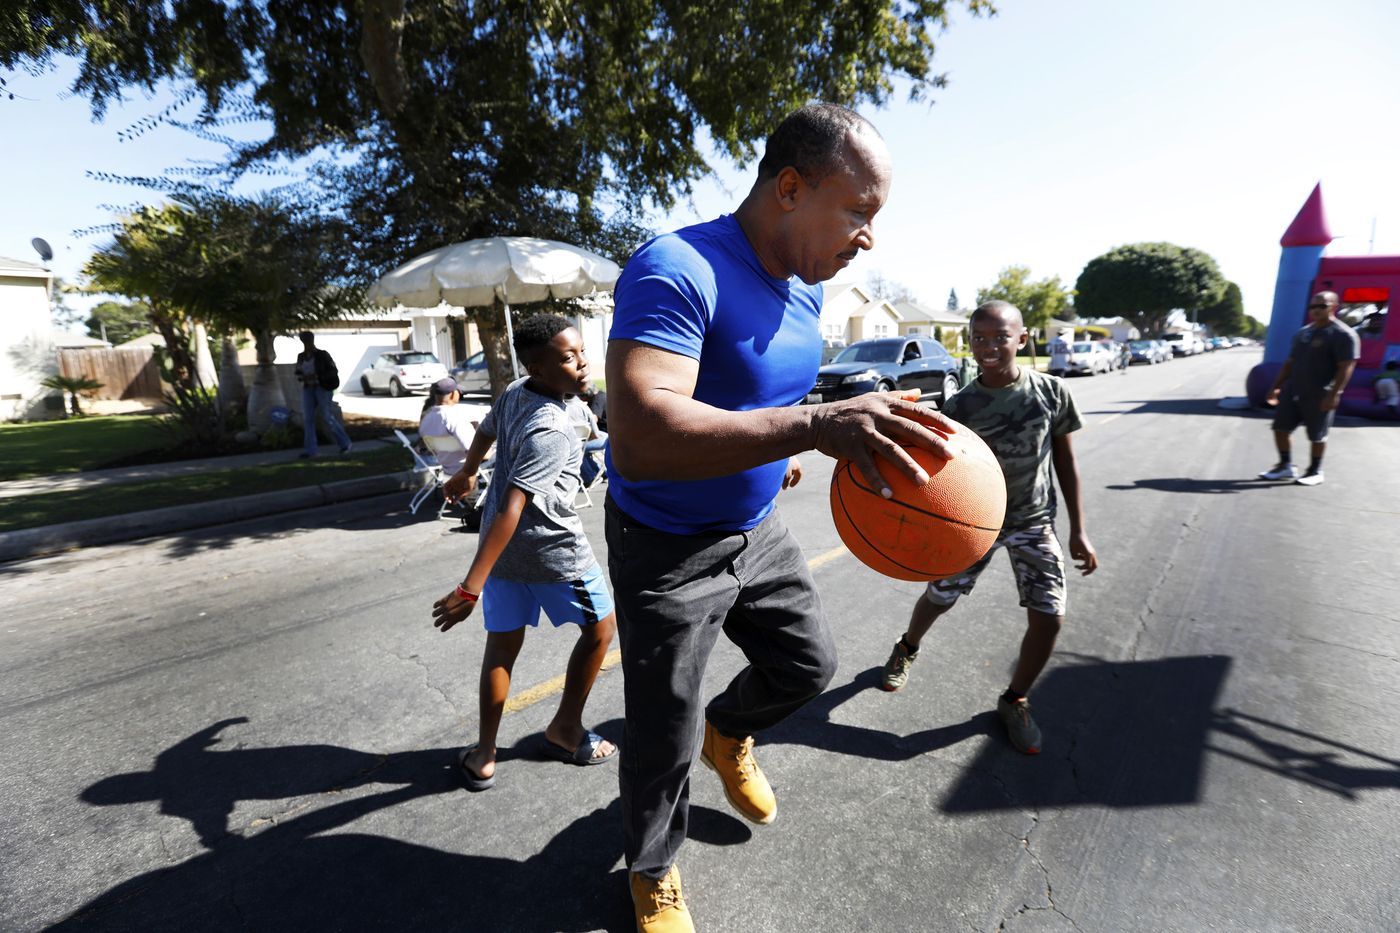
point(463, 593)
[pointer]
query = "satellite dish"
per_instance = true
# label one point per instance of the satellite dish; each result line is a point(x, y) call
point(42, 247)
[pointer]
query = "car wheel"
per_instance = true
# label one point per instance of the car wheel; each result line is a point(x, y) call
point(884, 385)
point(396, 388)
point(365, 386)
point(950, 388)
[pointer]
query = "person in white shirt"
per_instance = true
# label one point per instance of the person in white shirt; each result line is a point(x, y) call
point(443, 416)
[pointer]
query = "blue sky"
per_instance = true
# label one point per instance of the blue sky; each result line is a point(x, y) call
point(1066, 129)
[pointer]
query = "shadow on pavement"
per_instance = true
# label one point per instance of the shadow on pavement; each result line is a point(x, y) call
point(1183, 406)
point(1198, 486)
point(301, 873)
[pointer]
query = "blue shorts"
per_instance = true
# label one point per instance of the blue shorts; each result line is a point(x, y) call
point(508, 606)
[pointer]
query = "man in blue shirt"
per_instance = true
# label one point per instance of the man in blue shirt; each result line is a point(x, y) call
point(715, 342)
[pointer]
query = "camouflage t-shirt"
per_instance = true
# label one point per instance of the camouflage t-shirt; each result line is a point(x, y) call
point(1018, 423)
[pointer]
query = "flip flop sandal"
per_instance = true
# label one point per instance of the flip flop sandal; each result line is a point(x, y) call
point(583, 755)
point(474, 781)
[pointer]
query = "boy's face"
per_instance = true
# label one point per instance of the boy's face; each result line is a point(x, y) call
point(996, 338)
point(561, 365)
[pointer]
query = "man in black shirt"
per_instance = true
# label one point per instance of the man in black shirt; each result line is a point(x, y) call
point(1309, 386)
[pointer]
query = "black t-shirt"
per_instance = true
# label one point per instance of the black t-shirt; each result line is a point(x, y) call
point(1316, 353)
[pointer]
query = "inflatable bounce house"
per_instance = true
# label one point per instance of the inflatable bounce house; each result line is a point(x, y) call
point(1365, 285)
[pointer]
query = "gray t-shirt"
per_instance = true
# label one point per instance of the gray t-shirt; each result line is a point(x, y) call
point(538, 451)
point(1019, 422)
point(1316, 353)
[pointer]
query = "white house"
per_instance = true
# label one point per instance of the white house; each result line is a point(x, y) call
point(850, 314)
point(920, 321)
point(26, 342)
point(1118, 328)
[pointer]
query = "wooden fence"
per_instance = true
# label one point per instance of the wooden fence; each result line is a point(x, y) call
point(125, 372)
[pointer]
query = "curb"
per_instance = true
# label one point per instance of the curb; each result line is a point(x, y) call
point(35, 542)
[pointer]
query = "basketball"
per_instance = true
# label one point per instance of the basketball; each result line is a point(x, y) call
point(923, 532)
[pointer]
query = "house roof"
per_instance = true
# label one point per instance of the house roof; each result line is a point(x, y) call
point(66, 339)
point(836, 289)
point(869, 306)
point(915, 312)
point(18, 268)
point(145, 340)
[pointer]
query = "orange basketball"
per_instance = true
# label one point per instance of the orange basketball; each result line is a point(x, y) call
point(923, 532)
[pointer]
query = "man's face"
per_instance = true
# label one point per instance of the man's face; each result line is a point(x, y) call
point(827, 226)
point(561, 365)
point(1321, 307)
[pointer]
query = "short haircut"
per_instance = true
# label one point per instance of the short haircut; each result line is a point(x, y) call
point(536, 332)
point(812, 141)
point(306, 335)
point(995, 306)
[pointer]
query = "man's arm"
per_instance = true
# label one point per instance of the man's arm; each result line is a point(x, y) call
point(659, 431)
point(1344, 371)
point(1067, 472)
point(1279, 380)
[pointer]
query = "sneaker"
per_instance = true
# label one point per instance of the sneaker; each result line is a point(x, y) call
point(1020, 727)
point(896, 673)
point(744, 784)
point(1310, 478)
point(659, 905)
point(1282, 471)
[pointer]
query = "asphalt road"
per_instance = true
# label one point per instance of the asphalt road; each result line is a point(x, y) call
point(251, 727)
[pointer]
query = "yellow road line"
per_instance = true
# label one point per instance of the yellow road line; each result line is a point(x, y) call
point(543, 691)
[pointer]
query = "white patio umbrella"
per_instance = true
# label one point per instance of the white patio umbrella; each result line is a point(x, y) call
point(513, 269)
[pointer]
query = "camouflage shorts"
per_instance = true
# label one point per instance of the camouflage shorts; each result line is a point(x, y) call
point(1035, 557)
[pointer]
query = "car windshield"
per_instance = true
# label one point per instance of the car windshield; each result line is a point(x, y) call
point(1141, 345)
point(873, 352)
point(1083, 348)
point(1175, 337)
point(408, 359)
point(474, 361)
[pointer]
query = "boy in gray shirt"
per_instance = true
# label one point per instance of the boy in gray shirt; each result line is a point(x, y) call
point(532, 554)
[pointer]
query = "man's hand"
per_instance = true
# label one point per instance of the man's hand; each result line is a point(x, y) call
point(1272, 399)
point(881, 424)
point(450, 610)
point(458, 486)
point(1086, 558)
point(1328, 402)
point(793, 476)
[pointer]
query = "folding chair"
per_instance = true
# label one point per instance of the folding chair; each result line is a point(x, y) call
point(432, 475)
point(441, 444)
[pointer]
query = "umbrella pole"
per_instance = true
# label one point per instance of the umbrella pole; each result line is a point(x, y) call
point(510, 342)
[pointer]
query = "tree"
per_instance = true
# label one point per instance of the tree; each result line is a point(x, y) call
point(438, 122)
point(116, 322)
point(953, 299)
point(883, 287)
point(1146, 282)
point(1039, 301)
point(1226, 317)
point(74, 386)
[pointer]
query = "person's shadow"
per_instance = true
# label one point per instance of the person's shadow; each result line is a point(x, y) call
point(303, 873)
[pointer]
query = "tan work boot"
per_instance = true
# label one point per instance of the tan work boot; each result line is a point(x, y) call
point(659, 904)
point(744, 784)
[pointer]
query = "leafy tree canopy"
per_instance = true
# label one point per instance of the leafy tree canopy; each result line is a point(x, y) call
point(1146, 282)
point(953, 299)
point(117, 323)
point(1039, 301)
point(1226, 317)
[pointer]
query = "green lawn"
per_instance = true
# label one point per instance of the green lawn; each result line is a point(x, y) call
point(52, 508)
point(75, 444)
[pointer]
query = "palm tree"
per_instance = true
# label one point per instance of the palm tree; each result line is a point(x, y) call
point(74, 386)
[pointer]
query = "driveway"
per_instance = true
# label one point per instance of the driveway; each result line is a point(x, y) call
point(409, 408)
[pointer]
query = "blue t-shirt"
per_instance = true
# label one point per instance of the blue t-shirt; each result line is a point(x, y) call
point(702, 292)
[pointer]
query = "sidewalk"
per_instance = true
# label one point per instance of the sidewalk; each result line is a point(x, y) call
point(33, 542)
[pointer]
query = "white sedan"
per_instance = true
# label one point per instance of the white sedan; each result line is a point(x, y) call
point(402, 372)
point(1088, 357)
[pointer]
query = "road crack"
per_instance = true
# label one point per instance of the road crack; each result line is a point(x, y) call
point(1050, 904)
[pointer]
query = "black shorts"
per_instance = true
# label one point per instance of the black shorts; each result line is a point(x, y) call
point(1293, 411)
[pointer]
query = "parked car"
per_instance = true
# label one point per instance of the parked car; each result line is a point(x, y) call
point(402, 372)
point(831, 349)
point(471, 374)
point(1090, 357)
point(888, 363)
point(1184, 344)
point(1148, 351)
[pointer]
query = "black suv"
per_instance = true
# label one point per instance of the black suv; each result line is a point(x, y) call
point(888, 363)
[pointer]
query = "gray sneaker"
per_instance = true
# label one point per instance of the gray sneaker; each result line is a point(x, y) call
point(1310, 478)
point(896, 672)
point(1020, 727)
point(1282, 471)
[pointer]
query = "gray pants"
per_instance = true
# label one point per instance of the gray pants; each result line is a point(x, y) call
point(674, 594)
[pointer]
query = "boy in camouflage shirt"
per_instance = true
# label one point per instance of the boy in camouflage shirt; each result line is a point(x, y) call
point(1026, 417)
